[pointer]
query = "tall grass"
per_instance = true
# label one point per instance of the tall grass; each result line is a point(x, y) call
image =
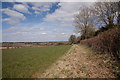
point(24, 62)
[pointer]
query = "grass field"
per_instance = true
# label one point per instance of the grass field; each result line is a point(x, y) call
point(24, 62)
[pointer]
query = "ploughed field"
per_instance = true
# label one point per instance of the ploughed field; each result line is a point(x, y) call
point(24, 62)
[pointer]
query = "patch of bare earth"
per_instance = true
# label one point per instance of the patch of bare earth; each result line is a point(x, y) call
point(78, 62)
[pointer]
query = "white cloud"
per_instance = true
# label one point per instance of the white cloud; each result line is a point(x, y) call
point(14, 16)
point(11, 20)
point(41, 28)
point(36, 12)
point(44, 33)
point(36, 33)
point(12, 28)
point(35, 8)
point(64, 16)
point(6, 19)
point(21, 8)
point(41, 6)
point(26, 4)
point(63, 33)
point(58, 31)
point(13, 13)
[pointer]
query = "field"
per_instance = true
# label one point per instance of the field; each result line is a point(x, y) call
point(24, 62)
point(9, 45)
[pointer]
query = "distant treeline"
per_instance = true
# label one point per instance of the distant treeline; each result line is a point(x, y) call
point(33, 44)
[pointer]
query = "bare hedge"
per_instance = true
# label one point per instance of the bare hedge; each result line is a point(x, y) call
point(106, 42)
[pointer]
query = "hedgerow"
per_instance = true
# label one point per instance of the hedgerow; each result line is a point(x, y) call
point(106, 42)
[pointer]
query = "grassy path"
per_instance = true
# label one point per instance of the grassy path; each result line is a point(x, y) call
point(79, 62)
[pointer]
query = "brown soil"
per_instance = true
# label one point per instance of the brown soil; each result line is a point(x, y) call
point(79, 62)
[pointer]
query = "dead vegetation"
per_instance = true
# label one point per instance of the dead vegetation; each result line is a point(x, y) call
point(106, 42)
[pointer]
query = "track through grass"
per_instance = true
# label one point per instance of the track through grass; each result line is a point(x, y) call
point(24, 62)
point(81, 62)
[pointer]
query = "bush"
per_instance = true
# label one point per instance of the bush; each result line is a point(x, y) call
point(72, 39)
point(106, 42)
point(78, 39)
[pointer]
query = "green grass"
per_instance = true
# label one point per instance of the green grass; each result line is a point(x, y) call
point(24, 62)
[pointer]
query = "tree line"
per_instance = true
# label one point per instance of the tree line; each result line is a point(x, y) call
point(94, 19)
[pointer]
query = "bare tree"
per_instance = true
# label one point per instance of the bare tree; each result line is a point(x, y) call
point(84, 22)
point(118, 10)
point(101, 14)
point(106, 13)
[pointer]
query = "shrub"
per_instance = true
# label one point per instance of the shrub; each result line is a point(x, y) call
point(78, 39)
point(72, 39)
point(106, 42)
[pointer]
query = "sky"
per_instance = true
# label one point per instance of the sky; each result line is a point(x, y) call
point(39, 21)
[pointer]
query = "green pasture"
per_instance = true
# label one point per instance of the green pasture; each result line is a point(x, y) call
point(24, 62)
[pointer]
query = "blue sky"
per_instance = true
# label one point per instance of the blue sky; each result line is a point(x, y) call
point(38, 21)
